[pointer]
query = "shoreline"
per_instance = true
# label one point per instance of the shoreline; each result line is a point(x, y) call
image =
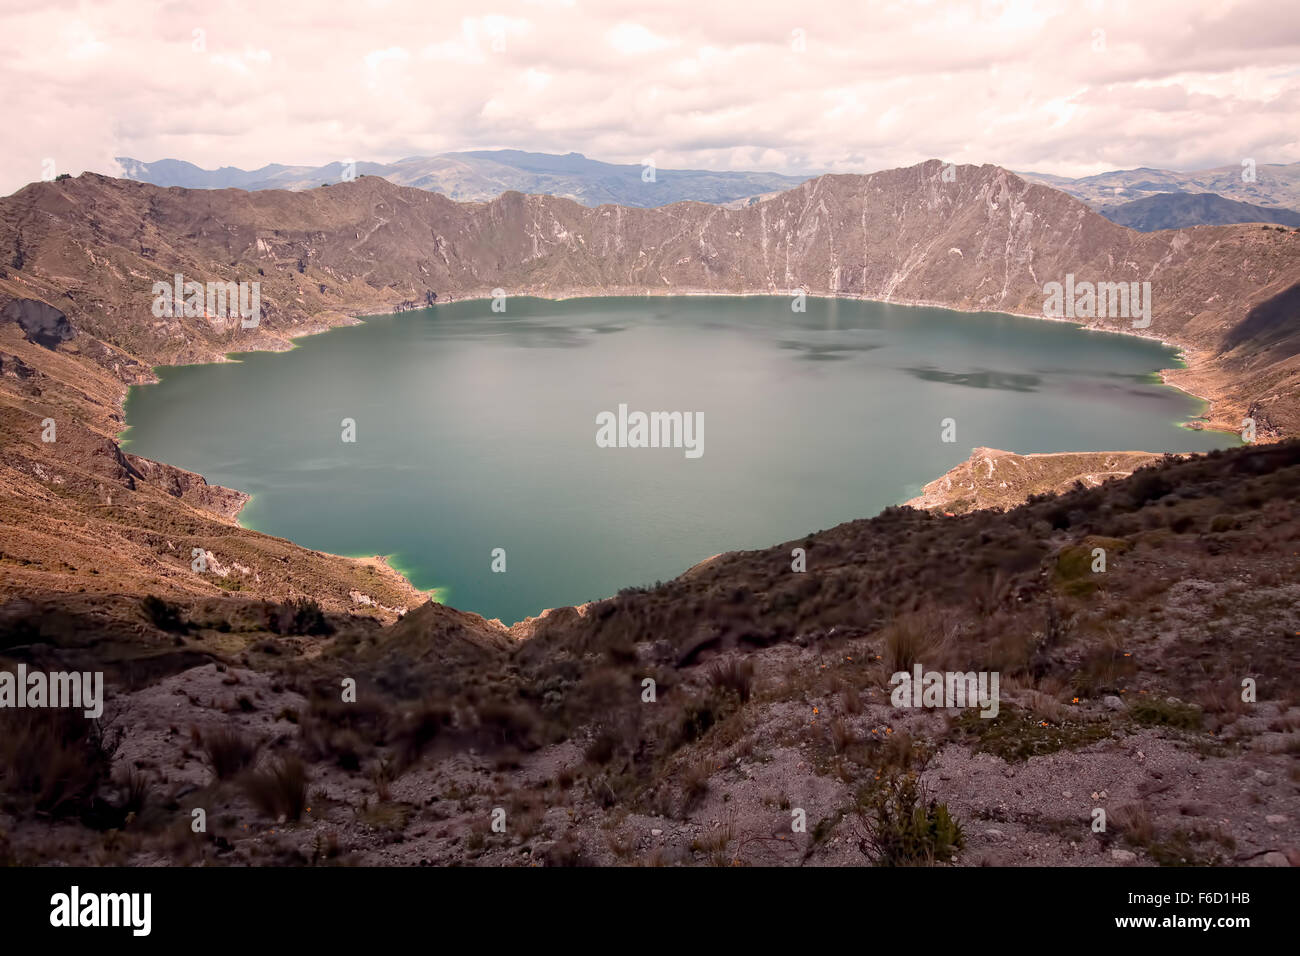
point(356, 317)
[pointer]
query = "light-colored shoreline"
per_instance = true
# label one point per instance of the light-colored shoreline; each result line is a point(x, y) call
point(1181, 348)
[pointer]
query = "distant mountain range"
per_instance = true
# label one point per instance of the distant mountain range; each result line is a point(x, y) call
point(481, 175)
point(1270, 185)
point(1143, 199)
point(1179, 210)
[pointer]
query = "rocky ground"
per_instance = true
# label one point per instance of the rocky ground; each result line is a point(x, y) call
point(771, 739)
point(991, 478)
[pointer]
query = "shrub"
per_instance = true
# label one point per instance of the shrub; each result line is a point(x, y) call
point(1148, 486)
point(228, 752)
point(1134, 824)
point(734, 675)
point(510, 724)
point(1155, 712)
point(842, 736)
point(134, 790)
point(902, 825)
point(161, 614)
point(347, 748)
point(303, 616)
point(1104, 668)
point(695, 783)
point(280, 790)
point(602, 748)
point(699, 714)
point(54, 760)
point(419, 730)
point(1221, 523)
point(915, 639)
point(1073, 574)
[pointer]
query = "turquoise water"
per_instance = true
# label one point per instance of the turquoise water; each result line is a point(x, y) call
point(477, 430)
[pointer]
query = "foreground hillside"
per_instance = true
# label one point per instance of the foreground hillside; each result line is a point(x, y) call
point(1121, 690)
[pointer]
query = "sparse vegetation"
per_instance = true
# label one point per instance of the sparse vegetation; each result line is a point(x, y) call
point(303, 616)
point(161, 615)
point(279, 790)
point(735, 675)
point(227, 752)
point(53, 761)
point(1158, 712)
point(901, 824)
point(441, 692)
point(1015, 735)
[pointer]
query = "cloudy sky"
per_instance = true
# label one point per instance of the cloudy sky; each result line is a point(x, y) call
point(1071, 87)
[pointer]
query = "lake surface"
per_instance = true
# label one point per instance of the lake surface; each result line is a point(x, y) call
point(477, 430)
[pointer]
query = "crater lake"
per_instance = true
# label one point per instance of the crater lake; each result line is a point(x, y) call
point(476, 430)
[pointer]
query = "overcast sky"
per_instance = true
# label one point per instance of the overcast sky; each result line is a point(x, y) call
point(1072, 88)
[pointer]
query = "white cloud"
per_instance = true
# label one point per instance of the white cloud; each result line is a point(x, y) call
point(633, 38)
point(377, 58)
point(880, 83)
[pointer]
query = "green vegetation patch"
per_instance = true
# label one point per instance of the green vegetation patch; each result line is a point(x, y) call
point(1190, 848)
point(1159, 712)
point(1016, 735)
point(901, 824)
point(1073, 574)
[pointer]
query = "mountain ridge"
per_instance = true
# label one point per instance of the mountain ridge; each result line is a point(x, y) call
point(1263, 184)
point(1184, 210)
point(480, 175)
